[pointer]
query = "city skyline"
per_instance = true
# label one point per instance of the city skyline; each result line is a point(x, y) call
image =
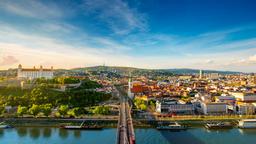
point(143, 34)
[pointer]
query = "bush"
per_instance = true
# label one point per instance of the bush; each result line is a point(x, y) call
point(34, 110)
point(22, 110)
point(101, 110)
point(76, 112)
point(46, 109)
point(2, 110)
point(63, 110)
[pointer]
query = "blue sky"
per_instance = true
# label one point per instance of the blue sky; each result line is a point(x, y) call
point(202, 34)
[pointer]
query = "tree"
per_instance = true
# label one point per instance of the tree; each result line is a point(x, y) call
point(46, 109)
point(22, 110)
point(40, 94)
point(34, 110)
point(63, 109)
point(2, 110)
point(101, 110)
point(140, 104)
point(143, 107)
point(76, 111)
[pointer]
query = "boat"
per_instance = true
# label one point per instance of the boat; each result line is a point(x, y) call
point(219, 125)
point(247, 123)
point(82, 127)
point(5, 126)
point(174, 126)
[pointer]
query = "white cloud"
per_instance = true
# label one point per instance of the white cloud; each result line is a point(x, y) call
point(117, 14)
point(35, 49)
point(32, 8)
point(8, 60)
point(57, 27)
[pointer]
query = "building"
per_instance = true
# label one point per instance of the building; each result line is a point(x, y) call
point(245, 109)
point(185, 77)
point(213, 76)
point(173, 107)
point(214, 108)
point(245, 97)
point(32, 73)
point(226, 99)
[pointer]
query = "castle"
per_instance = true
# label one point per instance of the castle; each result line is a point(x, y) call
point(33, 73)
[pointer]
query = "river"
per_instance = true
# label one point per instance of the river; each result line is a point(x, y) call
point(46, 135)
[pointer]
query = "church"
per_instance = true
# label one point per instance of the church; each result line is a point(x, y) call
point(33, 73)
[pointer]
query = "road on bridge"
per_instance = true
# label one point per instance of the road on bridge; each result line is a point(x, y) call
point(125, 130)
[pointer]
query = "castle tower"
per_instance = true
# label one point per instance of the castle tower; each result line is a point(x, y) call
point(19, 66)
point(19, 70)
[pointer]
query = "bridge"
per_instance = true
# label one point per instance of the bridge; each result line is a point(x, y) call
point(125, 130)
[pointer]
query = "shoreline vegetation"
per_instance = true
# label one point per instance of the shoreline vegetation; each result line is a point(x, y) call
point(111, 122)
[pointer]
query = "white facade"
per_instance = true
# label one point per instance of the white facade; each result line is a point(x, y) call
point(214, 108)
point(246, 109)
point(243, 96)
point(213, 76)
point(35, 73)
point(174, 107)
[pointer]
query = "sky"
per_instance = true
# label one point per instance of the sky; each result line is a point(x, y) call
point(199, 34)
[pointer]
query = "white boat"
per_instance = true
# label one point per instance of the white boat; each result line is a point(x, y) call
point(174, 126)
point(247, 123)
point(219, 125)
point(5, 126)
point(81, 127)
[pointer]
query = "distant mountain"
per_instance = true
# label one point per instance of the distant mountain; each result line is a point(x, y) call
point(132, 69)
point(196, 71)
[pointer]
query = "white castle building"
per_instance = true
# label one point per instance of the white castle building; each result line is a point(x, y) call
point(32, 73)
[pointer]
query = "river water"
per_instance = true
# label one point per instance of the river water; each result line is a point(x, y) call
point(46, 135)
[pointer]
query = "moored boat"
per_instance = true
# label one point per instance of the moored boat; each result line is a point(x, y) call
point(82, 127)
point(247, 123)
point(219, 125)
point(174, 126)
point(5, 126)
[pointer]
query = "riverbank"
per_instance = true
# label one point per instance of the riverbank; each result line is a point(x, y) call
point(106, 123)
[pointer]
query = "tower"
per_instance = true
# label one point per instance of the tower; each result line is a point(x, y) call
point(129, 86)
point(200, 74)
point(19, 73)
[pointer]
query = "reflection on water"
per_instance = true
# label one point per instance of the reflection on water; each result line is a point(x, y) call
point(247, 131)
point(77, 134)
point(195, 136)
point(1, 133)
point(63, 133)
point(34, 135)
point(47, 132)
point(22, 131)
point(180, 137)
